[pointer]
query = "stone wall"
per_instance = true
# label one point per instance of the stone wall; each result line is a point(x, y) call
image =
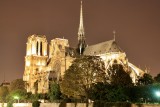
point(92, 105)
point(78, 105)
point(22, 104)
point(17, 104)
point(64, 105)
point(3, 104)
point(145, 105)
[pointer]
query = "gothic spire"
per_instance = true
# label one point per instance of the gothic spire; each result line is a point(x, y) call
point(81, 38)
point(81, 28)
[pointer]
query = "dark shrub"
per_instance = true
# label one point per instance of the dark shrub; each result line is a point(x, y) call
point(36, 104)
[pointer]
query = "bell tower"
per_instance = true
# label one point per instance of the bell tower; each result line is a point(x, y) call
point(35, 64)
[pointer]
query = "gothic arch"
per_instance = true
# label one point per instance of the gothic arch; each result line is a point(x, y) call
point(41, 48)
point(55, 73)
point(37, 47)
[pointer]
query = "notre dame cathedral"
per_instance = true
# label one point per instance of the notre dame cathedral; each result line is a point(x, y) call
point(41, 68)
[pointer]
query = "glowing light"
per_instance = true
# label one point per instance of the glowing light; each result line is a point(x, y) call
point(16, 97)
point(157, 93)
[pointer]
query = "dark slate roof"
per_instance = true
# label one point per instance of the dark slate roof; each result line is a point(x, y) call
point(5, 83)
point(102, 48)
point(69, 51)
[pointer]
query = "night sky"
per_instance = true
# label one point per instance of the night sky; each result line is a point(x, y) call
point(137, 23)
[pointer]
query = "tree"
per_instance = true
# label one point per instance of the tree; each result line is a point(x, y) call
point(54, 93)
point(83, 72)
point(108, 93)
point(17, 88)
point(98, 91)
point(19, 93)
point(118, 76)
point(32, 97)
point(144, 93)
point(157, 78)
point(17, 84)
point(3, 93)
point(145, 80)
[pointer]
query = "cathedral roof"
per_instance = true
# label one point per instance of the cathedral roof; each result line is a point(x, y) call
point(69, 51)
point(102, 48)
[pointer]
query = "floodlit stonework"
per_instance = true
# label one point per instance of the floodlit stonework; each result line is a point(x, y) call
point(58, 62)
point(41, 68)
point(36, 63)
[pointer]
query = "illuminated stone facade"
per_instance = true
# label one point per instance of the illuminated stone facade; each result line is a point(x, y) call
point(58, 60)
point(41, 68)
point(35, 64)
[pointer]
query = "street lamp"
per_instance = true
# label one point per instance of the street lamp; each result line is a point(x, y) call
point(157, 93)
point(17, 98)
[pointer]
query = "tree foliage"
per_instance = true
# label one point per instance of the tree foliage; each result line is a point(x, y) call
point(118, 76)
point(17, 88)
point(145, 80)
point(17, 84)
point(144, 93)
point(33, 97)
point(3, 93)
point(83, 72)
point(157, 78)
point(36, 104)
point(108, 93)
point(21, 94)
point(54, 93)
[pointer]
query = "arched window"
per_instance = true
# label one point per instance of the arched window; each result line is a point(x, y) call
point(41, 48)
point(37, 48)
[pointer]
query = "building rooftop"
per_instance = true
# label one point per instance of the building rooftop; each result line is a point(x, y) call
point(102, 48)
point(5, 83)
